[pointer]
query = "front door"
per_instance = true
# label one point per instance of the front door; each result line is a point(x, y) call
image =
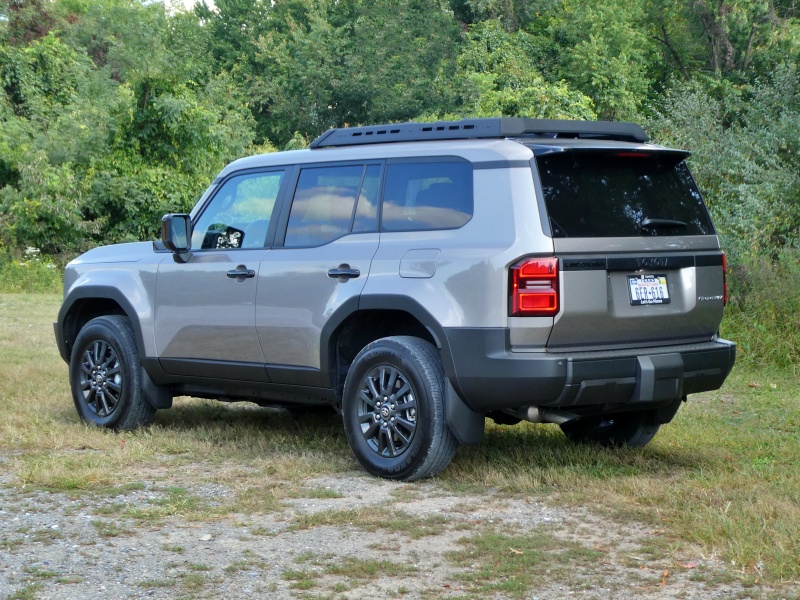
point(205, 308)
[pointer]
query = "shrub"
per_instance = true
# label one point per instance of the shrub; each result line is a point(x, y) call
point(30, 273)
point(762, 312)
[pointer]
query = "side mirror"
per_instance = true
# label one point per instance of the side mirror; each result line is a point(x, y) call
point(176, 234)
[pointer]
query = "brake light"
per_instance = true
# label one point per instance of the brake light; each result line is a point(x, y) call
point(534, 288)
point(724, 280)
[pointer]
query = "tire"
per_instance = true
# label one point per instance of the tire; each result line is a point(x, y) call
point(632, 430)
point(106, 377)
point(394, 410)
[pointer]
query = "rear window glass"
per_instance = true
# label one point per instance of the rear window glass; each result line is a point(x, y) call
point(427, 195)
point(617, 194)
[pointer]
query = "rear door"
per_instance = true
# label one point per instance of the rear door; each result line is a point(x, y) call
point(320, 266)
point(639, 259)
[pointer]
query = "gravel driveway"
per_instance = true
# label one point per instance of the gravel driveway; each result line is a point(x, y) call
point(351, 536)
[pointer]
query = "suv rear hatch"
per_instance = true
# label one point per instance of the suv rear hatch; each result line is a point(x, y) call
point(640, 263)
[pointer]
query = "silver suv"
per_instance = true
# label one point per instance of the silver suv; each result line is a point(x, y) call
point(418, 278)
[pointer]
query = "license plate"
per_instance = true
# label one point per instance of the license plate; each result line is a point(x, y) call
point(648, 289)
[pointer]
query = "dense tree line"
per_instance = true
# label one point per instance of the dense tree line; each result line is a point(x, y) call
point(114, 113)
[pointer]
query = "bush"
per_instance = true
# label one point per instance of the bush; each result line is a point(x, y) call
point(764, 301)
point(31, 273)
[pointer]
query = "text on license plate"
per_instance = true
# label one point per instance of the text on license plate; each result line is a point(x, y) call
point(648, 289)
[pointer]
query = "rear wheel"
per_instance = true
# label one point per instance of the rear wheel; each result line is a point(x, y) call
point(105, 375)
point(394, 409)
point(633, 430)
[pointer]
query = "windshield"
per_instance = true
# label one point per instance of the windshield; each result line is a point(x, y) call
point(621, 194)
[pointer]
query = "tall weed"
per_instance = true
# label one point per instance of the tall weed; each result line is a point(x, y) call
point(763, 314)
point(30, 273)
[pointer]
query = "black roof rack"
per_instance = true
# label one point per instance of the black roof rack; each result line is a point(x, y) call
point(498, 127)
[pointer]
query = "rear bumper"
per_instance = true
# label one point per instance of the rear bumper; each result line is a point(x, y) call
point(490, 377)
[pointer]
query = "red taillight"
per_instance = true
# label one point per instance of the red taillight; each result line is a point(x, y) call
point(724, 280)
point(534, 288)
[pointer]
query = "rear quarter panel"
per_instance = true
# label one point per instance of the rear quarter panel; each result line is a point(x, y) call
point(466, 284)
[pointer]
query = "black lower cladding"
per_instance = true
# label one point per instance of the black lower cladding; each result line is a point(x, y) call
point(488, 376)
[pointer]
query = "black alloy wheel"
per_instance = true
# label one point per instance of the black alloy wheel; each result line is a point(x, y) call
point(106, 375)
point(101, 379)
point(393, 408)
point(387, 411)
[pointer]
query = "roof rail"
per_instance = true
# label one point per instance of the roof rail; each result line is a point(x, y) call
point(497, 128)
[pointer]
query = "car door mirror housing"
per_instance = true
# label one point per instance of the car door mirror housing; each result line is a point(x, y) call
point(176, 235)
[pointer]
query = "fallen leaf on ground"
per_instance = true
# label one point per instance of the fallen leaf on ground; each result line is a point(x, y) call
point(664, 579)
point(689, 565)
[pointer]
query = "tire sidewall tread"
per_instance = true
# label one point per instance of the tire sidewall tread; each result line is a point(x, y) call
point(133, 410)
point(434, 445)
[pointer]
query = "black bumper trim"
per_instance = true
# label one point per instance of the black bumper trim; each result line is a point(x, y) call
point(490, 377)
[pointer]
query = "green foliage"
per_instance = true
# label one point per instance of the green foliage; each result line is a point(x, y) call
point(746, 145)
point(500, 78)
point(42, 210)
point(333, 64)
point(762, 311)
point(28, 273)
point(101, 137)
point(608, 56)
point(37, 79)
point(511, 14)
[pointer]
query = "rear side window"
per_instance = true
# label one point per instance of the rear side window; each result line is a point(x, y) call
point(427, 195)
point(619, 194)
point(323, 205)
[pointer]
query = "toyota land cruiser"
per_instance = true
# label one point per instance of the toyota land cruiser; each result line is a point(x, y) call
point(418, 278)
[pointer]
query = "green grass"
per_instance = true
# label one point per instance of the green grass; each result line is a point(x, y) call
point(722, 480)
point(29, 592)
point(369, 519)
point(764, 301)
point(511, 565)
point(356, 568)
point(724, 476)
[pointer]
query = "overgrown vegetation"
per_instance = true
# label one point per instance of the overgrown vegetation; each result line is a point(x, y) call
point(764, 301)
point(113, 113)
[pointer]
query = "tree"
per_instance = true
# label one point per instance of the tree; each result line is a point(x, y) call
point(746, 145)
point(607, 55)
point(349, 63)
point(500, 77)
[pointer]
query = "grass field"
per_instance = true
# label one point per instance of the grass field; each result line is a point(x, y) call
point(723, 479)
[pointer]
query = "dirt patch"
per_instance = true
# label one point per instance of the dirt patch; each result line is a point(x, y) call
point(350, 536)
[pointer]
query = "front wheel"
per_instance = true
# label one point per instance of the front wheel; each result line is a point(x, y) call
point(105, 375)
point(633, 430)
point(394, 410)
